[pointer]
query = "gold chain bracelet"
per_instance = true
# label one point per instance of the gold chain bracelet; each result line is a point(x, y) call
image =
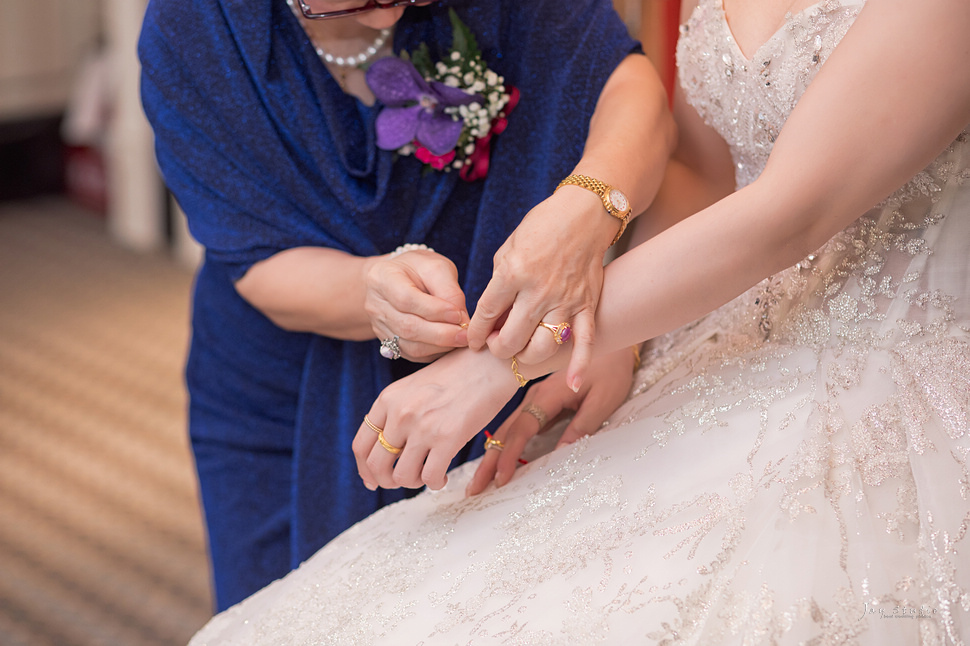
point(515, 371)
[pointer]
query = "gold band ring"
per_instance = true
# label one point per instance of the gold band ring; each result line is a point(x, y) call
point(374, 427)
point(387, 445)
point(538, 413)
point(560, 332)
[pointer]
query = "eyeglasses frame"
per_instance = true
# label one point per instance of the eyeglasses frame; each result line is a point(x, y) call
point(370, 5)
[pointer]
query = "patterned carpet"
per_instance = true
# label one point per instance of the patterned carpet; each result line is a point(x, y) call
point(101, 539)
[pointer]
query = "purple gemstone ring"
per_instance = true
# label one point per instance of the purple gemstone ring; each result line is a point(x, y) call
point(560, 332)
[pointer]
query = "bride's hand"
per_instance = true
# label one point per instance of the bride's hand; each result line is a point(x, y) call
point(415, 296)
point(420, 422)
point(610, 378)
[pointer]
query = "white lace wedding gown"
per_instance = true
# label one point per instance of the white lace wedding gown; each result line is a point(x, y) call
point(791, 469)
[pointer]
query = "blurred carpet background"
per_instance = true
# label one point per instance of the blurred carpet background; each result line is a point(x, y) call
point(101, 538)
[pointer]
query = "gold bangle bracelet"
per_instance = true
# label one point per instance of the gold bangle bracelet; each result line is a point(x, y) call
point(515, 371)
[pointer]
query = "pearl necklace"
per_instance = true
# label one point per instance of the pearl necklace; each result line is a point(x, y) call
point(356, 60)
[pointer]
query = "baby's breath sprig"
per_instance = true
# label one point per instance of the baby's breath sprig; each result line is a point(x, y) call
point(482, 113)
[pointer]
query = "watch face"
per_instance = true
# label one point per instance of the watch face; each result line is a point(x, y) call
point(618, 200)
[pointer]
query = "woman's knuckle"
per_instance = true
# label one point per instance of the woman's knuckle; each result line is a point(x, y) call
point(501, 348)
point(487, 308)
point(505, 268)
point(535, 354)
point(407, 329)
point(584, 336)
point(409, 416)
point(372, 308)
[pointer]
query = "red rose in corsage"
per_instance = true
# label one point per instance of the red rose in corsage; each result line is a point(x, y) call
point(444, 113)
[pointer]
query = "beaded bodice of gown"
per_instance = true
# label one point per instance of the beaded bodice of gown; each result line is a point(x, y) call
point(747, 100)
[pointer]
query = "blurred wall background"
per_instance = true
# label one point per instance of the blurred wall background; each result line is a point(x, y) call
point(71, 120)
point(42, 45)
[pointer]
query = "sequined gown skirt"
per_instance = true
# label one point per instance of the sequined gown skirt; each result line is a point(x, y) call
point(791, 468)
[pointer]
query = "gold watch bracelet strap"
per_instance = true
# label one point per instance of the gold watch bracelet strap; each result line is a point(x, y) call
point(601, 189)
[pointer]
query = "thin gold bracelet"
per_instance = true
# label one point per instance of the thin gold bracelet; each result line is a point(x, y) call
point(636, 358)
point(515, 371)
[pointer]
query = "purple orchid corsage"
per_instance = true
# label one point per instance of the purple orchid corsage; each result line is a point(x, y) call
point(444, 113)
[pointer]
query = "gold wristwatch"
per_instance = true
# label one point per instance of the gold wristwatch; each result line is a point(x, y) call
point(615, 202)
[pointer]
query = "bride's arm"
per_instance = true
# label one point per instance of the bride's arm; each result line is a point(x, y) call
point(893, 94)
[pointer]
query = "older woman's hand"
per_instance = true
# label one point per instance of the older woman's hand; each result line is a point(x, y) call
point(610, 378)
point(419, 423)
point(415, 297)
point(549, 270)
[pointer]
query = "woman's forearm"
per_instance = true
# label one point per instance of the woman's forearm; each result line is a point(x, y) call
point(311, 289)
point(631, 133)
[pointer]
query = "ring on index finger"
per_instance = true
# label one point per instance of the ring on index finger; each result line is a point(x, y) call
point(560, 332)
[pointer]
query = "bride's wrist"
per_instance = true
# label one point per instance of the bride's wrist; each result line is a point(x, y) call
point(522, 373)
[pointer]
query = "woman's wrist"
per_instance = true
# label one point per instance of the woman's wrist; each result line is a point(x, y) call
point(581, 212)
point(613, 202)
